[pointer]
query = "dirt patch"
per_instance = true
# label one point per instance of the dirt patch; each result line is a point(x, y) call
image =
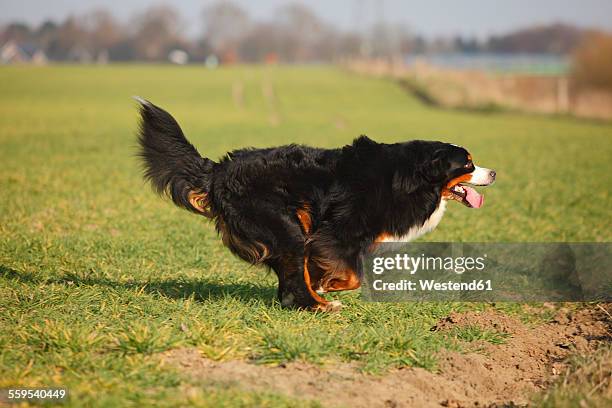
point(531, 358)
point(497, 375)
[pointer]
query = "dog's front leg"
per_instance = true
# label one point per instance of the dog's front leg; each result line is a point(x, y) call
point(294, 289)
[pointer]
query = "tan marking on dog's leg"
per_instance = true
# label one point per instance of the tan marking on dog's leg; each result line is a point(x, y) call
point(350, 283)
point(303, 215)
point(314, 294)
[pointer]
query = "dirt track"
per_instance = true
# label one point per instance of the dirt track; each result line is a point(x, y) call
point(497, 375)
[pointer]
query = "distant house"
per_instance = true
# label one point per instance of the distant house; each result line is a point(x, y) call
point(103, 57)
point(178, 56)
point(13, 53)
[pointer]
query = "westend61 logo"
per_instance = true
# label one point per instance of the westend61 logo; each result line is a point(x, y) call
point(517, 272)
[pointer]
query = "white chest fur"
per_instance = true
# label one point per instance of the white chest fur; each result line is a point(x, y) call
point(416, 231)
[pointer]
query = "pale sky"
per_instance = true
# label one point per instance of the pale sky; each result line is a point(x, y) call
point(429, 17)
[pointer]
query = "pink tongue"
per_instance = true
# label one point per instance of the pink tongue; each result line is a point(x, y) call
point(473, 197)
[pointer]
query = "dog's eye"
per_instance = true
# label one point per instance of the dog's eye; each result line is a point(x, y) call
point(468, 165)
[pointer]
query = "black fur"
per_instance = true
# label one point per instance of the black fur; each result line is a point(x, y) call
point(351, 196)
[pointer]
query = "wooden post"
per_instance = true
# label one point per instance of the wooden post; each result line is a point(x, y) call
point(562, 95)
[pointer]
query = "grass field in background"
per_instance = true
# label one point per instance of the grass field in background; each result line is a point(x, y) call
point(98, 275)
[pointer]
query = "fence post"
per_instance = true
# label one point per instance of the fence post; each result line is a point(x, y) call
point(562, 94)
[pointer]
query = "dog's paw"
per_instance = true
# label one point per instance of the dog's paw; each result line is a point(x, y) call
point(333, 306)
point(288, 300)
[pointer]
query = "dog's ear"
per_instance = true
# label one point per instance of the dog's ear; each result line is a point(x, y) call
point(410, 177)
point(199, 201)
point(436, 170)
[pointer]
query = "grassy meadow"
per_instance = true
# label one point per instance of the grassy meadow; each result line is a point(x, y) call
point(98, 276)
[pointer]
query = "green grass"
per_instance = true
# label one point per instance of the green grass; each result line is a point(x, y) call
point(98, 275)
point(474, 333)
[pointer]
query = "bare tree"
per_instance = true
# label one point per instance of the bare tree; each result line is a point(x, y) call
point(225, 25)
point(104, 30)
point(46, 33)
point(263, 41)
point(302, 32)
point(592, 62)
point(157, 28)
point(18, 32)
point(387, 40)
point(68, 37)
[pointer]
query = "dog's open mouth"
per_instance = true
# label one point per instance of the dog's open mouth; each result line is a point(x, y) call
point(466, 195)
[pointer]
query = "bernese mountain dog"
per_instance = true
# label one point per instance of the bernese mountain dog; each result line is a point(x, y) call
point(308, 213)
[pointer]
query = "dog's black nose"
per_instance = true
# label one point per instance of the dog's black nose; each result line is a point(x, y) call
point(492, 173)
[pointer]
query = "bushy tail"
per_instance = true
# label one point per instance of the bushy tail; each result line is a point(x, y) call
point(172, 165)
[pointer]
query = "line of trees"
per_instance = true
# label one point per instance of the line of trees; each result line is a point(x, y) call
point(294, 34)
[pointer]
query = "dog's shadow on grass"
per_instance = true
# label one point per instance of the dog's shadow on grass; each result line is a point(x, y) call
point(201, 290)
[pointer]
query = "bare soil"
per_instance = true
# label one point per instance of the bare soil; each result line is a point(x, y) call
point(492, 375)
